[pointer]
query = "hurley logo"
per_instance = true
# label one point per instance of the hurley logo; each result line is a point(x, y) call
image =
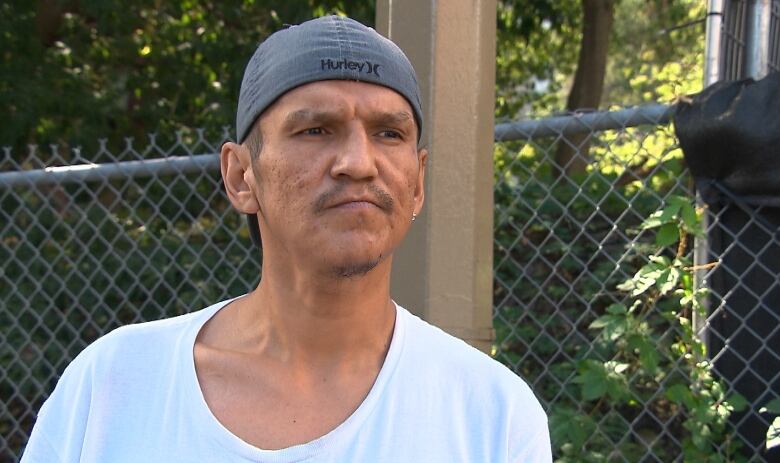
point(360, 66)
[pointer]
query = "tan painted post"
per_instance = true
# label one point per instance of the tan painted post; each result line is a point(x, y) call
point(444, 270)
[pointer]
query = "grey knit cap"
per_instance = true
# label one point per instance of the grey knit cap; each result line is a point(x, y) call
point(327, 48)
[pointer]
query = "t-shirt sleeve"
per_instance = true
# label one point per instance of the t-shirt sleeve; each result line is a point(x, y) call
point(40, 450)
point(531, 441)
point(537, 449)
point(60, 426)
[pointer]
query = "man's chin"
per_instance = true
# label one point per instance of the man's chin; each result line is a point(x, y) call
point(355, 269)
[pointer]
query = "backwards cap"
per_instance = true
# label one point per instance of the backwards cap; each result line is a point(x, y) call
point(327, 48)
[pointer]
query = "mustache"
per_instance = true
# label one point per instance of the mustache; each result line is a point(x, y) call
point(379, 196)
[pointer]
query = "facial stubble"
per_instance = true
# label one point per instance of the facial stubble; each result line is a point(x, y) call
point(381, 199)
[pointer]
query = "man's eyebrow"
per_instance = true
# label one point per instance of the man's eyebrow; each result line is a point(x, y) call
point(392, 118)
point(314, 116)
point(308, 115)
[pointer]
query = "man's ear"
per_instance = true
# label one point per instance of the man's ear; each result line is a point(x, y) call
point(419, 187)
point(236, 165)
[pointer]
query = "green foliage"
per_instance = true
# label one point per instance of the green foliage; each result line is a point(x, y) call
point(773, 432)
point(647, 356)
point(559, 254)
point(633, 380)
point(534, 54)
point(656, 53)
point(77, 71)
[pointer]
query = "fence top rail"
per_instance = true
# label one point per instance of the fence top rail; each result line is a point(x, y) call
point(578, 123)
point(581, 123)
point(121, 169)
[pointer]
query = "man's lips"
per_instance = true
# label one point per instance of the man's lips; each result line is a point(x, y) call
point(372, 196)
point(354, 203)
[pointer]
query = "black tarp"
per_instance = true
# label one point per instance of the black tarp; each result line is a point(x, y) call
point(730, 135)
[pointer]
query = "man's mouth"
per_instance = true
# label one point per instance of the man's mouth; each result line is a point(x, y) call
point(372, 197)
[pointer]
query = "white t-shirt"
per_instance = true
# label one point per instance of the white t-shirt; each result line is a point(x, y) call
point(133, 396)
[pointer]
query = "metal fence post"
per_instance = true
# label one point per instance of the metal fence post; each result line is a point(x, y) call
point(712, 69)
point(757, 40)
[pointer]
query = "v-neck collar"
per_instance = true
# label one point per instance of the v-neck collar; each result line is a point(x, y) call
point(215, 430)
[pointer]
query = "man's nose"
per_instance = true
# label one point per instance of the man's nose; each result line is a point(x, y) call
point(355, 156)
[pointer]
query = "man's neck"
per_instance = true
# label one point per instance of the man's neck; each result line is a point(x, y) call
point(295, 358)
point(308, 320)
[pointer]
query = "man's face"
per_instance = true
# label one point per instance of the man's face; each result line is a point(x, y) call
point(339, 176)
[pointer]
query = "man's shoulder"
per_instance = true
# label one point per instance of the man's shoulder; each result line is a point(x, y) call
point(142, 335)
point(463, 365)
point(140, 342)
point(442, 372)
point(430, 341)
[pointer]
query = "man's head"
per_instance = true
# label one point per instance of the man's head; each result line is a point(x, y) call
point(328, 166)
point(327, 48)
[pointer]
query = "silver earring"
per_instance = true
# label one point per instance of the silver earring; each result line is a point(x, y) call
point(414, 216)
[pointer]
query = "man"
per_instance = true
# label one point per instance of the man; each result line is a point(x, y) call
point(317, 363)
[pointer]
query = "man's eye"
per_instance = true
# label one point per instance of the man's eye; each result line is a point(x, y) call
point(390, 134)
point(313, 131)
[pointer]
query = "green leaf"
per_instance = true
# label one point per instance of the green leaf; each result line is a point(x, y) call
point(642, 285)
point(667, 280)
point(593, 377)
point(645, 278)
point(679, 201)
point(613, 326)
point(654, 221)
point(593, 388)
point(773, 434)
point(680, 394)
point(648, 353)
point(648, 357)
point(617, 390)
point(600, 322)
point(627, 285)
point(701, 437)
point(689, 217)
point(773, 406)
point(617, 309)
point(570, 427)
point(617, 383)
point(667, 235)
point(659, 262)
point(737, 402)
point(669, 212)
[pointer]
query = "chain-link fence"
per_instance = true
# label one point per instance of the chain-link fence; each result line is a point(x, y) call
point(744, 321)
point(87, 246)
point(147, 233)
point(564, 241)
point(743, 35)
point(732, 53)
